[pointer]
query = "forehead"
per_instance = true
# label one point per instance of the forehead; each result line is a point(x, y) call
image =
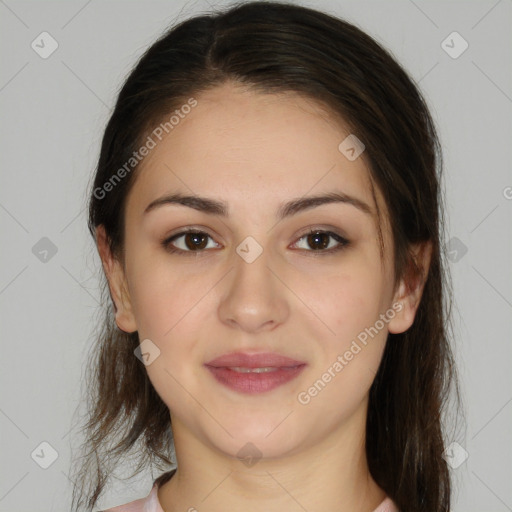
point(252, 150)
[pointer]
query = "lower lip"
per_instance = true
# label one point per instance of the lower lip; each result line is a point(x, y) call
point(253, 383)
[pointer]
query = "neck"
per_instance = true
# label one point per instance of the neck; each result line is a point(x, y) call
point(331, 475)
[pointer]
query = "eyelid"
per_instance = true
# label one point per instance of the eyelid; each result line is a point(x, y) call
point(188, 229)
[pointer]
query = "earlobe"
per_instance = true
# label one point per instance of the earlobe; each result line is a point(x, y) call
point(410, 289)
point(114, 273)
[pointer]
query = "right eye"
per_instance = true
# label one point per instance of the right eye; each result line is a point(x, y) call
point(189, 240)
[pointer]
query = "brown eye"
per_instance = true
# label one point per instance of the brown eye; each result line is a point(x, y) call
point(195, 241)
point(320, 241)
point(188, 241)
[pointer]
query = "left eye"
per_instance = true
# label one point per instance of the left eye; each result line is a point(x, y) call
point(320, 240)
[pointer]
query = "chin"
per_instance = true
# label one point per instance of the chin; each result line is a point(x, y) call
point(256, 440)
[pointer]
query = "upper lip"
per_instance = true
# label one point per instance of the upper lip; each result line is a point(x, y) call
point(260, 360)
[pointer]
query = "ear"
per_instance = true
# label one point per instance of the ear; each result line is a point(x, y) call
point(114, 272)
point(410, 289)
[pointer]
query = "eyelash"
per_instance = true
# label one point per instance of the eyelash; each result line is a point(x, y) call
point(342, 242)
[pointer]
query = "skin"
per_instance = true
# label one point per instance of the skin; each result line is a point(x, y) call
point(256, 151)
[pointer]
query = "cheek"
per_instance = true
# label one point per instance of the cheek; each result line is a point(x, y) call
point(346, 301)
point(350, 355)
point(163, 297)
point(349, 304)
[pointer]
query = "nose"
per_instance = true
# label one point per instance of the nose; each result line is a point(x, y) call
point(254, 299)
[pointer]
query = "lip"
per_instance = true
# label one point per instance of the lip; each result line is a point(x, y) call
point(286, 369)
point(256, 360)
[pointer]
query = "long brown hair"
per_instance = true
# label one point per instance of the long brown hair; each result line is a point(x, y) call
point(278, 47)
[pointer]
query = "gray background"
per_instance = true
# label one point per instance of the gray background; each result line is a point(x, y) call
point(53, 114)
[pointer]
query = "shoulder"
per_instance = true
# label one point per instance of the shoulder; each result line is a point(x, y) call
point(387, 506)
point(148, 504)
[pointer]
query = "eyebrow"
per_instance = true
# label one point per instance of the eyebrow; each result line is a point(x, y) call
point(220, 208)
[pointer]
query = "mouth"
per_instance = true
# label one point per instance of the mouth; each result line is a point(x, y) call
point(254, 373)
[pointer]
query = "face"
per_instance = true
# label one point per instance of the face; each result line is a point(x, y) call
point(254, 281)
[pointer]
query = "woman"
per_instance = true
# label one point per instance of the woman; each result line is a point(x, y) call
point(268, 214)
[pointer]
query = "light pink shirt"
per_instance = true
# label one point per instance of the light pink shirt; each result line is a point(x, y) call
point(151, 504)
